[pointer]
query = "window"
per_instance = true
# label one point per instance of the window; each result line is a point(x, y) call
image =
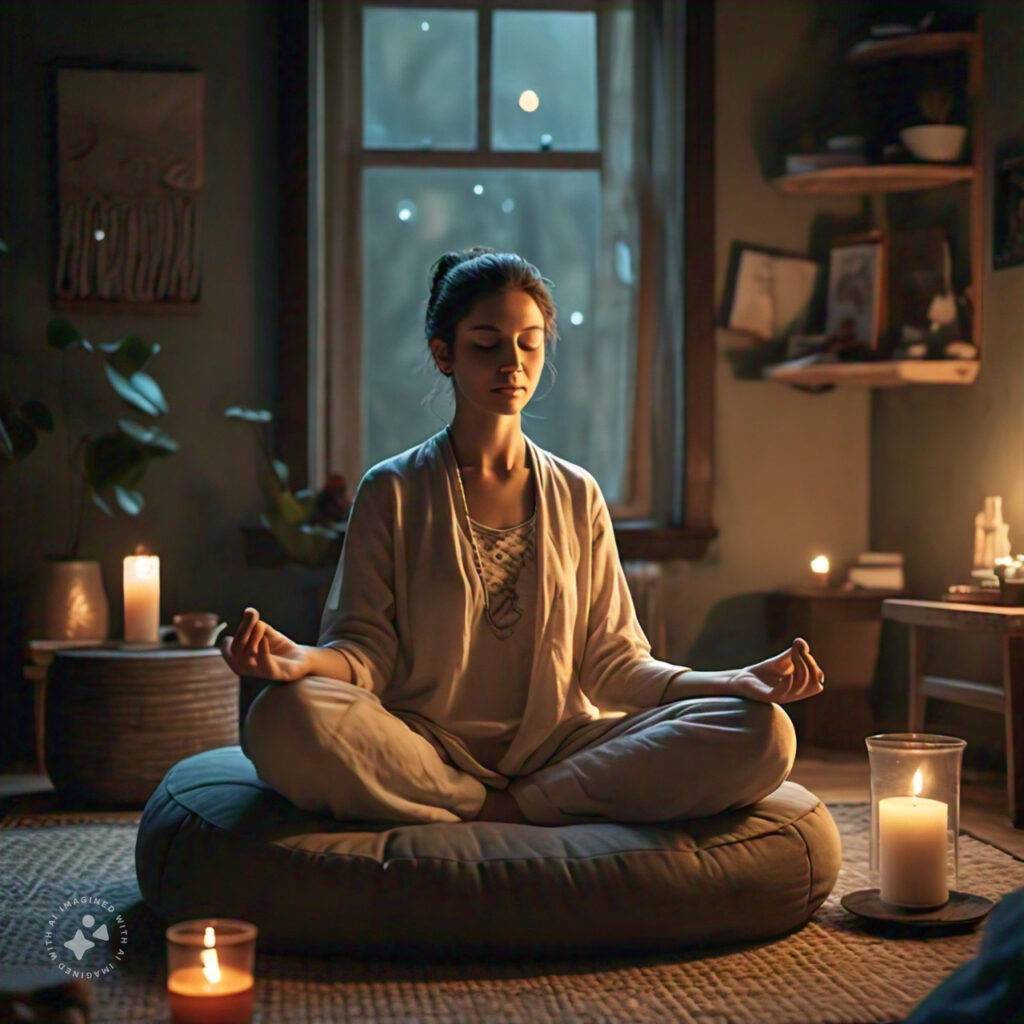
point(556, 132)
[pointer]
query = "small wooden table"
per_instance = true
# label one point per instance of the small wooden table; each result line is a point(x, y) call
point(843, 627)
point(1006, 623)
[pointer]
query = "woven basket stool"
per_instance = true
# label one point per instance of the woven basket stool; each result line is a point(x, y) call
point(117, 718)
point(215, 841)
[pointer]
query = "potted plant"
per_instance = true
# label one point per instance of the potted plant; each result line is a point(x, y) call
point(936, 141)
point(68, 601)
point(304, 526)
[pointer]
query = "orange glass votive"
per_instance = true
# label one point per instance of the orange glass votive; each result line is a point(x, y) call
point(210, 971)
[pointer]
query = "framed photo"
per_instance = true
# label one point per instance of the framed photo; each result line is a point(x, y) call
point(856, 289)
point(129, 182)
point(1008, 211)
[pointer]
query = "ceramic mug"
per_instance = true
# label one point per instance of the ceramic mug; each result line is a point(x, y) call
point(198, 629)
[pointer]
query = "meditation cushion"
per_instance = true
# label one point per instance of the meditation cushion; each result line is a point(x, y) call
point(215, 841)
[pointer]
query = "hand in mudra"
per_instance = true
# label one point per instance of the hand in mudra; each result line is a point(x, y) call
point(257, 649)
point(789, 676)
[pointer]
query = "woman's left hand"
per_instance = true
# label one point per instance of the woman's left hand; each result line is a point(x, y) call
point(789, 676)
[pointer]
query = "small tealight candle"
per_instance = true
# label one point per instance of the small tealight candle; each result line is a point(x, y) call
point(912, 849)
point(210, 971)
point(141, 598)
point(819, 571)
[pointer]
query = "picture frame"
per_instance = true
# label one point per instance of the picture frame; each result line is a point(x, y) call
point(129, 173)
point(856, 298)
point(769, 293)
point(1008, 213)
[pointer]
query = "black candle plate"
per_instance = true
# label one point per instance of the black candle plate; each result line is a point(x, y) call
point(962, 910)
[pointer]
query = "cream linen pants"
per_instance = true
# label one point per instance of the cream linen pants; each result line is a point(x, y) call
point(332, 748)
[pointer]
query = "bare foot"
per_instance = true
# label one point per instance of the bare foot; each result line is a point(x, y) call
point(500, 805)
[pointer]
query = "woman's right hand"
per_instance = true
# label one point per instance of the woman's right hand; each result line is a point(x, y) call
point(257, 649)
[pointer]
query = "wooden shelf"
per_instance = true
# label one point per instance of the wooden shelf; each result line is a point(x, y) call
point(920, 44)
point(893, 373)
point(873, 178)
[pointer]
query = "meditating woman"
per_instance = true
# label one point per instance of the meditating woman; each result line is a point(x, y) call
point(479, 655)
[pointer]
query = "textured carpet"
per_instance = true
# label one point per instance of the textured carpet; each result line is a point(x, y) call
point(833, 971)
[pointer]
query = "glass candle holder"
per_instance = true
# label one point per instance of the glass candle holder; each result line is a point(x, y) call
point(915, 817)
point(210, 971)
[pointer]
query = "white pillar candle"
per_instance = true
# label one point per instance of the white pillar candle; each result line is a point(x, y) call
point(142, 599)
point(912, 849)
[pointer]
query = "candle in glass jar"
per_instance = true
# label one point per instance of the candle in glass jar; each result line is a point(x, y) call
point(142, 599)
point(912, 849)
point(209, 992)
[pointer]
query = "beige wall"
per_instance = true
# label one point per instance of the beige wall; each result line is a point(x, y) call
point(791, 469)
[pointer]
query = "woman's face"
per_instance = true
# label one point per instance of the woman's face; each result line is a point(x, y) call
point(498, 354)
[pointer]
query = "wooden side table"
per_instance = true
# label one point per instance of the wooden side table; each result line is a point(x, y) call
point(843, 628)
point(118, 717)
point(1006, 624)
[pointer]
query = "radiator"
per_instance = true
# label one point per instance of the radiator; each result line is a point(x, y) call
point(647, 586)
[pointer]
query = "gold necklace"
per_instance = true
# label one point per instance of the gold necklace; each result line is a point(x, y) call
point(502, 632)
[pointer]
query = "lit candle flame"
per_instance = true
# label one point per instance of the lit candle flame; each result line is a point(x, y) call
point(819, 564)
point(211, 965)
point(918, 783)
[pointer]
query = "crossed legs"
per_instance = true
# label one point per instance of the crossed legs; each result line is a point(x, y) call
point(332, 748)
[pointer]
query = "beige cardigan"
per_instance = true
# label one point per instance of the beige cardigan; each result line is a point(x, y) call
point(406, 595)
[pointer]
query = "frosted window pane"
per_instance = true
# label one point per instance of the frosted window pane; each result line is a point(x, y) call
point(419, 84)
point(553, 219)
point(554, 56)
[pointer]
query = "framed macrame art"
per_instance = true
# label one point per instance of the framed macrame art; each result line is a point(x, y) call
point(129, 183)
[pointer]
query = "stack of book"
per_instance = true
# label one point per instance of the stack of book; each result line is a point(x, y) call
point(877, 570)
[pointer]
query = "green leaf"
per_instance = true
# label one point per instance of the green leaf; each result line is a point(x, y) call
point(290, 508)
point(22, 436)
point(243, 412)
point(37, 414)
point(113, 459)
point(131, 502)
point(6, 444)
point(299, 544)
point(61, 334)
point(153, 438)
point(131, 355)
point(100, 503)
point(139, 391)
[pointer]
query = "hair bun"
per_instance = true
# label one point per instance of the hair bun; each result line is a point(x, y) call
point(449, 261)
point(442, 266)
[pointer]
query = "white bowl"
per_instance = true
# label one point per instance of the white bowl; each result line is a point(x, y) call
point(936, 143)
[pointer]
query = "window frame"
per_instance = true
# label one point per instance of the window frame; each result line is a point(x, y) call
point(313, 225)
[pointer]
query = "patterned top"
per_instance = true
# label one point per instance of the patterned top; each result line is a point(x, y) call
point(504, 553)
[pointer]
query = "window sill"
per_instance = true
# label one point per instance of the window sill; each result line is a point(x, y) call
point(662, 543)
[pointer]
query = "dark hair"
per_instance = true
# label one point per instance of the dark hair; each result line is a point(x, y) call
point(461, 279)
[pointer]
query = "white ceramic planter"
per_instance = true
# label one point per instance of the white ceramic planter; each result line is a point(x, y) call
point(935, 143)
point(67, 601)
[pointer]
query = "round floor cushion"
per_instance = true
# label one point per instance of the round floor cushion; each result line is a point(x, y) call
point(216, 841)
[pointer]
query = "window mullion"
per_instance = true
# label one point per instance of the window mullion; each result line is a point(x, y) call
point(484, 61)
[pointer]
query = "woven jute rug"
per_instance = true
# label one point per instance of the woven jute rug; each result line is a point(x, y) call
point(833, 971)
